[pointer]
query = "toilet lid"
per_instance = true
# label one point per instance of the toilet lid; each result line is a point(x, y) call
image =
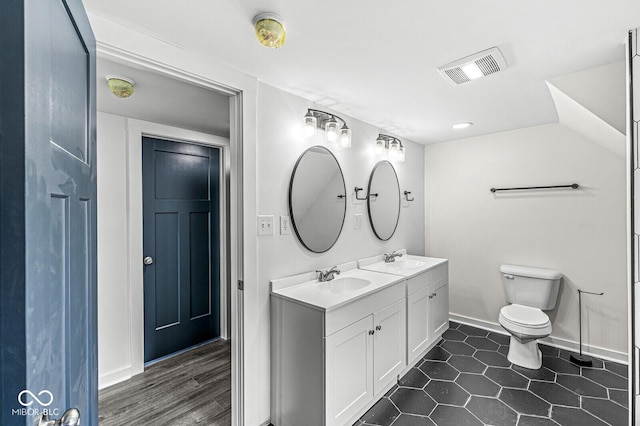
point(524, 315)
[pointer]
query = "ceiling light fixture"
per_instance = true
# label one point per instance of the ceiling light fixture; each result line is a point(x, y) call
point(390, 147)
point(270, 30)
point(462, 125)
point(334, 133)
point(121, 87)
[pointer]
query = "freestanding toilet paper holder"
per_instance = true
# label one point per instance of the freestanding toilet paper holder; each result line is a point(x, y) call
point(582, 360)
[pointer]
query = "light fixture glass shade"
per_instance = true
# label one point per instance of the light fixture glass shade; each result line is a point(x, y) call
point(394, 151)
point(121, 87)
point(270, 30)
point(379, 149)
point(331, 130)
point(402, 155)
point(309, 128)
point(345, 137)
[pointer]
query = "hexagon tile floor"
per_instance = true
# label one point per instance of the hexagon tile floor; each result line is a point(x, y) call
point(466, 380)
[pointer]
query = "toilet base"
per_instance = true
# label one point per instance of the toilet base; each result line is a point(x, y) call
point(525, 354)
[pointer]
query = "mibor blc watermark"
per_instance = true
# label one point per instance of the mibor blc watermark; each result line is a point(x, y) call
point(26, 398)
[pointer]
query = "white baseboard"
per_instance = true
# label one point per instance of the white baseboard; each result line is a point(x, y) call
point(556, 342)
point(110, 379)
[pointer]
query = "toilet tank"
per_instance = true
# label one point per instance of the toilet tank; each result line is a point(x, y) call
point(528, 286)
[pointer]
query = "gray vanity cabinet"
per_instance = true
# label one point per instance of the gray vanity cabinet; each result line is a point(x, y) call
point(427, 310)
point(329, 367)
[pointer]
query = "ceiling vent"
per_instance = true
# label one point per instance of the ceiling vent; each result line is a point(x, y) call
point(474, 66)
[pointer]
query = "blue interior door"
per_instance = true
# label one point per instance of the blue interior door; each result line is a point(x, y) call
point(48, 212)
point(181, 187)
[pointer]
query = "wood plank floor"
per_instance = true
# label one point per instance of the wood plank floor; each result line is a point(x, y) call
point(193, 388)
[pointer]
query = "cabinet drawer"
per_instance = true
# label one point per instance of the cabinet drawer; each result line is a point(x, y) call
point(440, 273)
point(352, 312)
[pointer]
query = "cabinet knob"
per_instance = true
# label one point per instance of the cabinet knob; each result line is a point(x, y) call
point(378, 327)
point(431, 296)
point(371, 332)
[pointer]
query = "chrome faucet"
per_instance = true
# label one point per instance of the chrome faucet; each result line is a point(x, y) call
point(391, 257)
point(328, 275)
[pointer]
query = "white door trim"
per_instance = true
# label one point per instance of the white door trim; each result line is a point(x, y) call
point(243, 106)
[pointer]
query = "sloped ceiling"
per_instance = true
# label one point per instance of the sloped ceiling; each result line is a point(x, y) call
point(377, 60)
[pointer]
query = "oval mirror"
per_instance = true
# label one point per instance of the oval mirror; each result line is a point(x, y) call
point(317, 199)
point(383, 201)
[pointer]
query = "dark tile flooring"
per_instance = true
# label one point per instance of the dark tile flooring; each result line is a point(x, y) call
point(466, 380)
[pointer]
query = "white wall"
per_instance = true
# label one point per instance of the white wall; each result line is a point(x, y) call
point(114, 310)
point(279, 146)
point(580, 233)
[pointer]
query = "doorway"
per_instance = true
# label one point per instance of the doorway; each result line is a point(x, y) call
point(122, 134)
point(182, 238)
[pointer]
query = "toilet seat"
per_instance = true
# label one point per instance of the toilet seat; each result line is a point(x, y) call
point(524, 316)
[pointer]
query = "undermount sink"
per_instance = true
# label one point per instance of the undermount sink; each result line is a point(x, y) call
point(343, 285)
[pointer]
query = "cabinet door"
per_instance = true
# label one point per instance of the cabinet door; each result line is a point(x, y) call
point(349, 371)
point(417, 324)
point(389, 344)
point(439, 308)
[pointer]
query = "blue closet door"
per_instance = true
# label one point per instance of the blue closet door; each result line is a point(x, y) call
point(181, 187)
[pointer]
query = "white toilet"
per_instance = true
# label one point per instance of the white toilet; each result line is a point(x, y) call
point(529, 291)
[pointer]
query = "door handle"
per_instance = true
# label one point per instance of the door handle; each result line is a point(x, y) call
point(71, 417)
point(148, 260)
point(378, 327)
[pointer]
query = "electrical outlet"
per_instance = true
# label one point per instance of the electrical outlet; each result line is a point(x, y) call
point(285, 225)
point(265, 225)
point(357, 221)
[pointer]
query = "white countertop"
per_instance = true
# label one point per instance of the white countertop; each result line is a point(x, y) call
point(306, 289)
point(406, 266)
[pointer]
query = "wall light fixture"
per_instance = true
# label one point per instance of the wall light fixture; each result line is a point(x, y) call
point(390, 147)
point(334, 133)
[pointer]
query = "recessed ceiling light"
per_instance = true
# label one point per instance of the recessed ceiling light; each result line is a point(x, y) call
point(462, 125)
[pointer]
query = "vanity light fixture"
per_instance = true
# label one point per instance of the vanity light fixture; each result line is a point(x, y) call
point(270, 30)
point(310, 126)
point(391, 147)
point(334, 133)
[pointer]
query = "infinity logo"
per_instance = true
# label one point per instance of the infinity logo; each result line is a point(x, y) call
point(28, 392)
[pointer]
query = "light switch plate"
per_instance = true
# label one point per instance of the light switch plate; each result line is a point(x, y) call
point(285, 225)
point(265, 225)
point(357, 221)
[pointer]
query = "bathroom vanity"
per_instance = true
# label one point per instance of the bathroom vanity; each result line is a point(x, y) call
point(427, 289)
point(340, 345)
